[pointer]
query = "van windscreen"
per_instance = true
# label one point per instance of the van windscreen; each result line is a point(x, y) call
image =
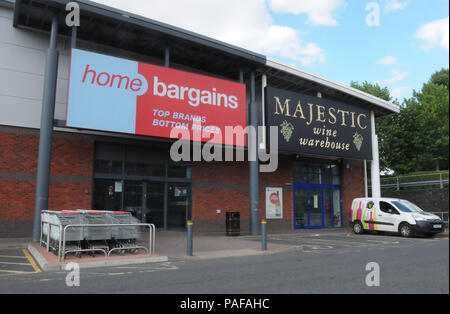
point(402, 207)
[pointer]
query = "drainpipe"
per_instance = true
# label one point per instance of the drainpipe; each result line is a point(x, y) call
point(366, 188)
point(46, 131)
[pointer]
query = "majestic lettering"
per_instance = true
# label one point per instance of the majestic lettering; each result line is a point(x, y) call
point(318, 113)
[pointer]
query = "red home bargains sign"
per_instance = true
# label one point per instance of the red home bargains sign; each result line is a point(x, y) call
point(118, 95)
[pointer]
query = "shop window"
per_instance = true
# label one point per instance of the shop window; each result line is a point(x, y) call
point(108, 166)
point(144, 169)
point(179, 172)
point(317, 174)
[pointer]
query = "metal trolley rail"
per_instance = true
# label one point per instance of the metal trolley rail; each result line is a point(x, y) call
point(63, 231)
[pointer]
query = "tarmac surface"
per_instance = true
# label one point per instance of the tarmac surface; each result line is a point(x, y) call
point(16, 259)
point(313, 262)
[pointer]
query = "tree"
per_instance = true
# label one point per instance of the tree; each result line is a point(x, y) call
point(417, 138)
point(433, 101)
point(384, 125)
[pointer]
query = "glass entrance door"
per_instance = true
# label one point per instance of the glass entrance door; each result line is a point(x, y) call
point(308, 206)
point(145, 200)
point(178, 209)
point(316, 206)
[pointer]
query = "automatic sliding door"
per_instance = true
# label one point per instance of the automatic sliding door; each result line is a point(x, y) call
point(308, 206)
point(178, 205)
point(315, 208)
point(155, 203)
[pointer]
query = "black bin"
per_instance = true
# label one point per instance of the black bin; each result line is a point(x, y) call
point(233, 223)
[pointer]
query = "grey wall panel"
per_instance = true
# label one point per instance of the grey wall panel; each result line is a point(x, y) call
point(22, 64)
point(20, 37)
point(29, 86)
point(23, 112)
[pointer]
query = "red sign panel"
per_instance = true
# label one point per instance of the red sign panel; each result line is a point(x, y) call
point(118, 95)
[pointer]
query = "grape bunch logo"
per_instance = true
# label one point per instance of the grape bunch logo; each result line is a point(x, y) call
point(286, 130)
point(358, 140)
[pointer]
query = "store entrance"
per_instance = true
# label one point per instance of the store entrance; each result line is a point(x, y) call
point(317, 206)
point(317, 196)
point(143, 181)
point(146, 200)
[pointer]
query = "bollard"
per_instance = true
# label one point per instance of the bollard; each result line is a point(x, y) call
point(190, 225)
point(264, 235)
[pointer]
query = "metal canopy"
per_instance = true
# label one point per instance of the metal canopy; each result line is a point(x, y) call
point(111, 27)
point(119, 29)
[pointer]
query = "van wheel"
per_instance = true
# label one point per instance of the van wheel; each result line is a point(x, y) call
point(406, 230)
point(358, 228)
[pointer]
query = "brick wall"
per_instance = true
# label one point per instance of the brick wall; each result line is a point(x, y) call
point(71, 176)
point(433, 200)
point(352, 185)
point(224, 186)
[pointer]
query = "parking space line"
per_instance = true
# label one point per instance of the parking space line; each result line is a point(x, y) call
point(13, 263)
point(31, 260)
point(7, 256)
point(17, 272)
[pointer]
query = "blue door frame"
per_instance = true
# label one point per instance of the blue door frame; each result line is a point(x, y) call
point(321, 187)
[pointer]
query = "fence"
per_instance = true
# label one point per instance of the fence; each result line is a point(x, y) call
point(431, 179)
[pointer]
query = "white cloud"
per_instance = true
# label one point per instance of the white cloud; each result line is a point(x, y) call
point(244, 23)
point(434, 34)
point(388, 60)
point(394, 5)
point(398, 76)
point(320, 12)
point(400, 92)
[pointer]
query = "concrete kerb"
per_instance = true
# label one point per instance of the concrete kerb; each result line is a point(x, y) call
point(46, 266)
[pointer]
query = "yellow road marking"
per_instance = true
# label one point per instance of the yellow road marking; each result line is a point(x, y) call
point(31, 260)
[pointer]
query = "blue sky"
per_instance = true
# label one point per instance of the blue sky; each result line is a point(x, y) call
point(330, 38)
point(353, 50)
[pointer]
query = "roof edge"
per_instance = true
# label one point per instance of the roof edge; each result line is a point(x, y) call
point(278, 65)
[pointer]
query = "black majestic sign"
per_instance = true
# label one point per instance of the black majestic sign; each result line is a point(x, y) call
point(313, 125)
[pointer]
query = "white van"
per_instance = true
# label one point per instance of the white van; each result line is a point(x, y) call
point(393, 215)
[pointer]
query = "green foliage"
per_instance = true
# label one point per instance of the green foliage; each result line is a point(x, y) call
point(416, 139)
point(373, 89)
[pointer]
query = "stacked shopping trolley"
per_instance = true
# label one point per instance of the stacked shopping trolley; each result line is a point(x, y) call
point(87, 231)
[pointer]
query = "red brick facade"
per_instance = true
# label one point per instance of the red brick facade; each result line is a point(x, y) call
point(352, 185)
point(71, 176)
point(215, 185)
point(224, 186)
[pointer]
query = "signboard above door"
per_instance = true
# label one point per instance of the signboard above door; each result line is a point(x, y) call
point(317, 126)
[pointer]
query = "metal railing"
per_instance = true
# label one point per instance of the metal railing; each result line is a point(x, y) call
point(62, 236)
point(397, 182)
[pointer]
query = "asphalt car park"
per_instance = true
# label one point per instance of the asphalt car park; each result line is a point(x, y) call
point(17, 261)
point(342, 242)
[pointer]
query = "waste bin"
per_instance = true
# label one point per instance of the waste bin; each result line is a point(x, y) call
point(233, 223)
